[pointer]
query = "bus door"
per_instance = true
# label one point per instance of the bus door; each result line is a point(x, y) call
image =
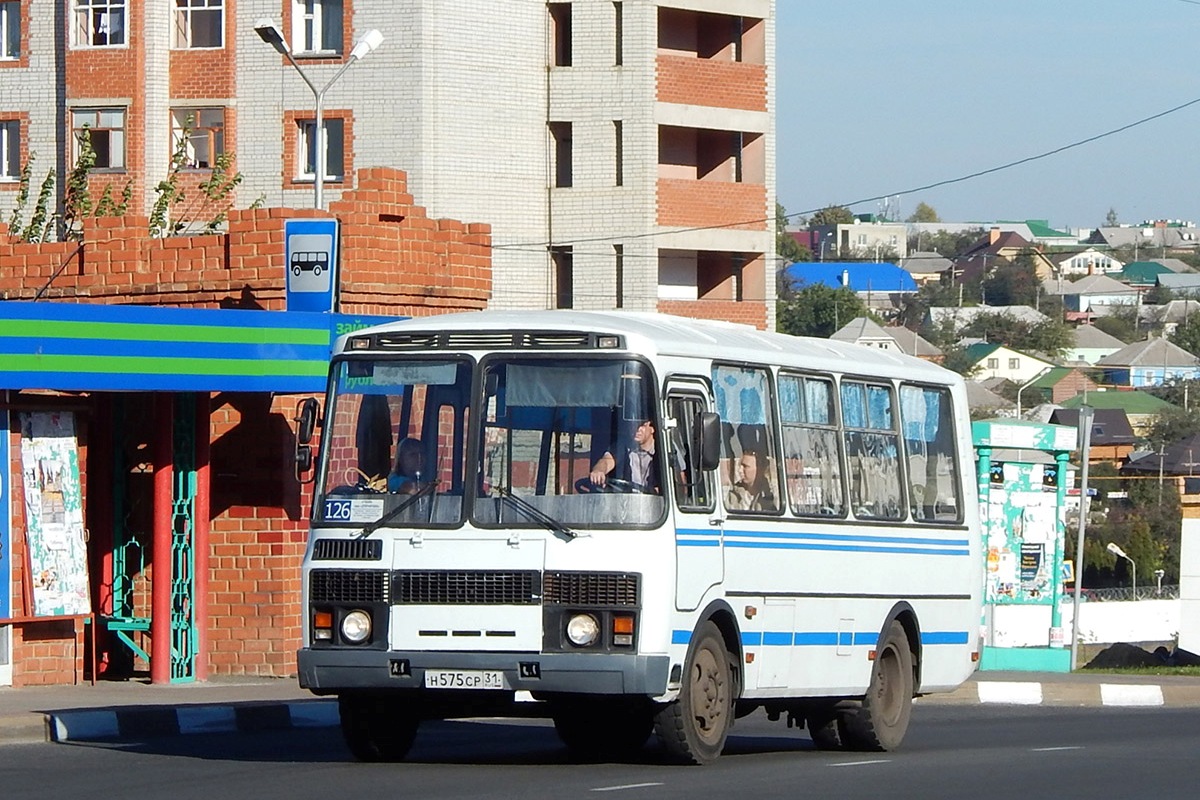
point(699, 540)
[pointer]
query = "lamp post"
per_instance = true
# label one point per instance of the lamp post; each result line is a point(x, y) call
point(270, 33)
point(1119, 553)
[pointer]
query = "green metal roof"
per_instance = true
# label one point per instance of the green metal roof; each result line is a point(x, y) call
point(1131, 402)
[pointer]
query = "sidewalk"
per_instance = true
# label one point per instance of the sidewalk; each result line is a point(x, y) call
point(137, 709)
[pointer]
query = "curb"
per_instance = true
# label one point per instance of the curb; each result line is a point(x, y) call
point(1032, 693)
point(135, 723)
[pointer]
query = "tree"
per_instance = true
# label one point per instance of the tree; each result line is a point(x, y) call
point(786, 247)
point(1051, 337)
point(924, 213)
point(1187, 334)
point(1172, 424)
point(946, 243)
point(175, 213)
point(817, 310)
point(1013, 283)
point(1121, 323)
point(1110, 219)
point(831, 215)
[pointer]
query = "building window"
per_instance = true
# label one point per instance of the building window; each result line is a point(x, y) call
point(563, 173)
point(317, 27)
point(199, 23)
point(10, 30)
point(10, 150)
point(1014, 363)
point(619, 131)
point(105, 129)
point(201, 131)
point(335, 149)
point(619, 43)
point(619, 264)
point(560, 27)
point(99, 23)
point(993, 363)
point(564, 276)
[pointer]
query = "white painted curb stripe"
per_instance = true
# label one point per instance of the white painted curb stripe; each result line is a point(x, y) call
point(206, 719)
point(86, 725)
point(1123, 694)
point(1022, 693)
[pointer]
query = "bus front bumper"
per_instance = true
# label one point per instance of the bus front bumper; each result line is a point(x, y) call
point(333, 670)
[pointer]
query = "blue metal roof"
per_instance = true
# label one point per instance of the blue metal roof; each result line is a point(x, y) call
point(861, 276)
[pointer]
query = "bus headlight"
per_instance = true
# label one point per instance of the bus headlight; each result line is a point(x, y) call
point(356, 627)
point(583, 630)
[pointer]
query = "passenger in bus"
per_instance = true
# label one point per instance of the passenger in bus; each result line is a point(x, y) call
point(634, 463)
point(752, 491)
point(405, 477)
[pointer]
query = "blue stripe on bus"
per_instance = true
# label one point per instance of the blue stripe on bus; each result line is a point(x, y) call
point(827, 542)
point(846, 548)
point(845, 537)
point(826, 638)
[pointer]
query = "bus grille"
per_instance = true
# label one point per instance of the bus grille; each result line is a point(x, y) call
point(465, 587)
point(591, 588)
point(347, 550)
point(348, 586)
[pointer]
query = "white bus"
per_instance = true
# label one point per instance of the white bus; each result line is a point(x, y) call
point(511, 572)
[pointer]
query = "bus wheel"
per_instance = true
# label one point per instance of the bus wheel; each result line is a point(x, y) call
point(376, 729)
point(694, 727)
point(882, 720)
point(596, 731)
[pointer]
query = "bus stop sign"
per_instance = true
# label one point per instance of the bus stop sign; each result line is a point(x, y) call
point(311, 258)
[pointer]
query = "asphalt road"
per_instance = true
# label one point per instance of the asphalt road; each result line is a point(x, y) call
point(950, 752)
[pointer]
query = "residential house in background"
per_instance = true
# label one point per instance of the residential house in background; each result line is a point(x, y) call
point(866, 332)
point(1056, 385)
point(1168, 316)
point(861, 239)
point(991, 361)
point(985, 403)
point(1151, 238)
point(1095, 294)
point(1181, 283)
point(1112, 440)
point(960, 316)
point(1149, 363)
point(1140, 407)
point(1144, 274)
point(1088, 262)
point(1090, 344)
point(996, 246)
point(881, 286)
point(914, 345)
point(926, 267)
point(644, 129)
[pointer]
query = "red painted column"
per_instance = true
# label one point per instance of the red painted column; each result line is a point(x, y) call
point(200, 544)
point(160, 587)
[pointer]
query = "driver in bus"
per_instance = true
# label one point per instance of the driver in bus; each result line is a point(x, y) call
point(405, 477)
point(636, 461)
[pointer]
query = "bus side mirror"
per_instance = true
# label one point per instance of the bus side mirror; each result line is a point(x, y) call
point(710, 440)
point(306, 422)
point(306, 419)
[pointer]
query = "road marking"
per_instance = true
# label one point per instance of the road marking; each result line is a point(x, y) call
point(1020, 693)
point(626, 786)
point(1055, 749)
point(862, 763)
point(1118, 694)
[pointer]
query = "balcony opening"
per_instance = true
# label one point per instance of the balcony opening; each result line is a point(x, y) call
point(560, 132)
point(708, 155)
point(563, 259)
point(716, 37)
point(560, 33)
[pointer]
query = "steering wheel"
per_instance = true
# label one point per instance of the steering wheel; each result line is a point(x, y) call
point(585, 486)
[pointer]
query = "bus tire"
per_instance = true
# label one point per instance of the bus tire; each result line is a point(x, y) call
point(597, 731)
point(376, 729)
point(881, 721)
point(694, 727)
point(827, 728)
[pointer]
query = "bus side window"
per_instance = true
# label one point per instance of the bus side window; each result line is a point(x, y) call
point(691, 483)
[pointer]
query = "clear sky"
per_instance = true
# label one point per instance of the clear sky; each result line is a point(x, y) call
point(878, 97)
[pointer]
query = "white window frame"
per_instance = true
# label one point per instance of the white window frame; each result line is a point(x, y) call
point(207, 134)
point(309, 19)
point(306, 151)
point(77, 122)
point(183, 29)
point(10, 150)
point(89, 18)
point(10, 30)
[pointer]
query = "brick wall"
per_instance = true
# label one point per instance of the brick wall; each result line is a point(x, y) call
point(395, 261)
point(705, 82)
point(694, 204)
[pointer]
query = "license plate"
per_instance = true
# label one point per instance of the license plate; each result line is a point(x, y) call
point(464, 679)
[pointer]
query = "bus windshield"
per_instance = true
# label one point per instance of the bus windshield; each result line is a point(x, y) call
point(395, 429)
point(572, 440)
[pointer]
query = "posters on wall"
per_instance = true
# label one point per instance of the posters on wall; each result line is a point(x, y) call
point(54, 514)
point(1022, 532)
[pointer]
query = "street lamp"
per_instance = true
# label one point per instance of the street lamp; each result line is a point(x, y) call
point(270, 33)
point(1119, 553)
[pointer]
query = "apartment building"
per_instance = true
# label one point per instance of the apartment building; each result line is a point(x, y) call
point(622, 150)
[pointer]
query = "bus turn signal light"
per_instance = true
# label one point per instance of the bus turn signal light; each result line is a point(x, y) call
point(622, 627)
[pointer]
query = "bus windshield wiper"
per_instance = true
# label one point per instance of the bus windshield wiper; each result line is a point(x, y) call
point(424, 491)
point(541, 517)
